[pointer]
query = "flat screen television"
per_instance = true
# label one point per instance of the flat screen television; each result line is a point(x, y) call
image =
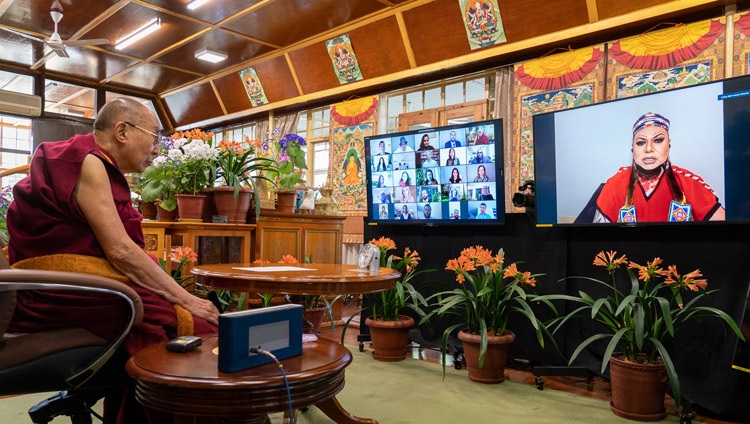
point(446, 175)
point(577, 151)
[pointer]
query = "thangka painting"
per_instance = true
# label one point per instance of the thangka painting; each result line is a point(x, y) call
point(344, 61)
point(482, 21)
point(551, 83)
point(676, 57)
point(741, 65)
point(348, 167)
point(253, 87)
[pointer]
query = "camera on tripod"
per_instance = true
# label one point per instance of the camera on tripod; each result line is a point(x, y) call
point(525, 197)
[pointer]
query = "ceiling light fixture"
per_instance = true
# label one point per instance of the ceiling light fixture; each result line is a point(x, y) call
point(196, 4)
point(143, 31)
point(209, 55)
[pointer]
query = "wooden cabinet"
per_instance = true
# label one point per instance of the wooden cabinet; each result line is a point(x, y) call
point(299, 235)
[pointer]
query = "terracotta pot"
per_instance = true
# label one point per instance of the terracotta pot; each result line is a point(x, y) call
point(286, 200)
point(165, 215)
point(148, 210)
point(191, 206)
point(637, 389)
point(389, 338)
point(495, 360)
point(315, 317)
point(234, 209)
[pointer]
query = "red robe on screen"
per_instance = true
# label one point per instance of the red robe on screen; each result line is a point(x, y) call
point(655, 208)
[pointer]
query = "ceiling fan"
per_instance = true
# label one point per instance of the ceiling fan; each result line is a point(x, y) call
point(54, 41)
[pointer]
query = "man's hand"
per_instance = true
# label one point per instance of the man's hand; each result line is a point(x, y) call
point(203, 308)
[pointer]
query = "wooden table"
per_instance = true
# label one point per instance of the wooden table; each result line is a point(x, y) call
point(190, 385)
point(315, 279)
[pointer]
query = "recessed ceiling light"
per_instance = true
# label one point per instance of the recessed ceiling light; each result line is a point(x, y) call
point(209, 55)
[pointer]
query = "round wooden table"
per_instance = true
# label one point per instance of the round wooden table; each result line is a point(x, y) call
point(190, 385)
point(313, 279)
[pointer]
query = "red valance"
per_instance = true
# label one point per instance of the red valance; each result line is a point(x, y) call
point(743, 24)
point(560, 70)
point(666, 48)
point(353, 112)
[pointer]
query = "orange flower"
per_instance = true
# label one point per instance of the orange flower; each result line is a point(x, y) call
point(648, 272)
point(261, 261)
point(257, 144)
point(688, 281)
point(288, 259)
point(186, 254)
point(609, 261)
point(231, 146)
point(384, 243)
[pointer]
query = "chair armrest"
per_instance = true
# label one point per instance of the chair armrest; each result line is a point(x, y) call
point(26, 279)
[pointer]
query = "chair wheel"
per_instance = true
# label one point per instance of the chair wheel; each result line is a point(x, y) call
point(361, 347)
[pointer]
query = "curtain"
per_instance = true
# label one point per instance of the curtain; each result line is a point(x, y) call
point(504, 110)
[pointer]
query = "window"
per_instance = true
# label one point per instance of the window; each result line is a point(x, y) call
point(440, 94)
point(69, 99)
point(15, 145)
point(314, 126)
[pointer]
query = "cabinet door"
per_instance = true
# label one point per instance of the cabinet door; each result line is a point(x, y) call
point(323, 246)
point(277, 242)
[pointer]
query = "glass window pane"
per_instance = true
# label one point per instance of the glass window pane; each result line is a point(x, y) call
point(475, 90)
point(432, 98)
point(414, 102)
point(454, 94)
point(395, 105)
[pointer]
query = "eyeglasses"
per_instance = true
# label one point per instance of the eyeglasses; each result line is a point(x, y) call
point(156, 136)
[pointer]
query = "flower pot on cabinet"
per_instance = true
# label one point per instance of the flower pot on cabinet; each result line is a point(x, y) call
point(286, 200)
point(234, 209)
point(638, 389)
point(495, 360)
point(389, 338)
point(314, 317)
point(191, 206)
point(164, 215)
point(148, 210)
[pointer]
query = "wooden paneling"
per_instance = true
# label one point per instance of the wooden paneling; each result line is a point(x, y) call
point(232, 93)
point(152, 77)
point(275, 22)
point(182, 105)
point(379, 48)
point(611, 8)
point(314, 68)
point(237, 48)
point(436, 31)
point(277, 79)
point(530, 18)
point(275, 242)
point(81, 59)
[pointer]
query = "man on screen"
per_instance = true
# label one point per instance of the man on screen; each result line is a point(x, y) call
point(652, 189)
point(452, 142)
point(483, 212)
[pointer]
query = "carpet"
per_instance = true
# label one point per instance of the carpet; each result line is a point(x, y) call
point(413, 392)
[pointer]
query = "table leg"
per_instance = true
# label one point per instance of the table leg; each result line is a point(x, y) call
point(333, 409)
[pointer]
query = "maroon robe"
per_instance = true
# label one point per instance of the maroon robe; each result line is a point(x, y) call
point(44, 219)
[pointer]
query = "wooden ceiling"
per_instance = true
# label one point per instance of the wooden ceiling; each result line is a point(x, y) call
point(396, 42)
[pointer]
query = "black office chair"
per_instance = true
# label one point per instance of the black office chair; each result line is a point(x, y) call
point(82, 366)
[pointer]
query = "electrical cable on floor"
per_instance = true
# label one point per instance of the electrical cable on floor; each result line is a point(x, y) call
point(283, 375)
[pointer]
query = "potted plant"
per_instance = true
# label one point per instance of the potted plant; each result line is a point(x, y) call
point(637, 317)
point(6, 196)
point(289, 159)
point(486, 296)
point(389, 329)
point(194, 170)
point(238, 167)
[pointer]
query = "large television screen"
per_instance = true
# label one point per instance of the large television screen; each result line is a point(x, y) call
point(673, 157)
point(445, 175)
